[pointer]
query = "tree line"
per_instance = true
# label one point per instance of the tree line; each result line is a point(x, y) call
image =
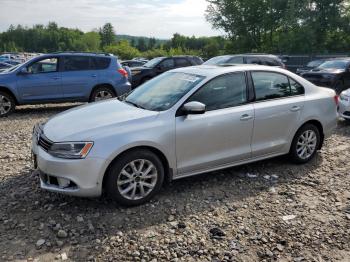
point(271, 26)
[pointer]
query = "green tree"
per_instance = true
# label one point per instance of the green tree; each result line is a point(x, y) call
point(107, 34)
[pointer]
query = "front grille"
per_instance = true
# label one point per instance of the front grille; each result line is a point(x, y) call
point(44, 142)
point(346, 113)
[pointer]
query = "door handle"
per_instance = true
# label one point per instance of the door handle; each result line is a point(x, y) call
point(93, 75)
point(246, 117)
point(56, 78)
point(295, 109)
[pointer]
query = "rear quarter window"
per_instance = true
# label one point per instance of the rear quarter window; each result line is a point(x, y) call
point(100, 63)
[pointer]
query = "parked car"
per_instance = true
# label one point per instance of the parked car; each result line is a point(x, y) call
point(12, 62)
point(182, 123)
point(344, 105)
point(62, 77)
point(311, 65)
point(133, 63)
point(160, 65)
point(258, 59)
point(334, 74)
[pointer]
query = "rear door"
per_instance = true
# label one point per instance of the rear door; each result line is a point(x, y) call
point(78, 77)
point(43, 81)
point(182, 62)
point(279, 104)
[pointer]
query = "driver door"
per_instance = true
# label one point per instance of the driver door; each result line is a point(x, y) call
point(42, 82)
point(222, 135)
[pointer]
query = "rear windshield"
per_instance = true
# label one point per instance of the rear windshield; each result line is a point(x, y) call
point(335, 64)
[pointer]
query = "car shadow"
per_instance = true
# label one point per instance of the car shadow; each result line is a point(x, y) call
point(29, 213)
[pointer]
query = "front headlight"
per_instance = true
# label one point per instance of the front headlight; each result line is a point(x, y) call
point(344, 98)
point(328, 76)
point(71, 150)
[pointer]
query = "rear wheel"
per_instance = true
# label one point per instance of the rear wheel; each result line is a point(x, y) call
point(305, 144)
point(102, 93)
point(7, 104)
point(135, 178)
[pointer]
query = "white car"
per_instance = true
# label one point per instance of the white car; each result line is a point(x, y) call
point(344, 104)
point(184, 122)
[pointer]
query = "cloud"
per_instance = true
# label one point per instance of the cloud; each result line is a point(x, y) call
point(159, 18)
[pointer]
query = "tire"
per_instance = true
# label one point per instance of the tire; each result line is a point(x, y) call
point(102, 93)
point(7, 104)
point(308, 145)
point(123, 176)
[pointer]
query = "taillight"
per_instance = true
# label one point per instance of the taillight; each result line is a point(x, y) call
point(336, 100)
point(123, 72)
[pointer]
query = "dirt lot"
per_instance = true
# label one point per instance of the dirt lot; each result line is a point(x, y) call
point(268, 211)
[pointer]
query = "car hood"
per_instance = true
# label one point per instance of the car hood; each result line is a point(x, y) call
point(327, 71)
point(87, 122)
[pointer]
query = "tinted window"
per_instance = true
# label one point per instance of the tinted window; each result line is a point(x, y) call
point(43, 66)
point(167, 64)
point(236, 60)
point(223, 92)
point(270, 85)
point(182, 62)
point(253, 60)
point(269, 61)
point(76, 63)
point(296, 88)
point(100, 62)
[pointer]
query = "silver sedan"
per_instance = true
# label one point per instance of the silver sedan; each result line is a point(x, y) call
point(184, 122)
point(344, 104)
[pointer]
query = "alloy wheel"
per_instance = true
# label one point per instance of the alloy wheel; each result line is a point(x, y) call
point(103, 95)
point(5, 105)
point(137, 179)
point(306, 144)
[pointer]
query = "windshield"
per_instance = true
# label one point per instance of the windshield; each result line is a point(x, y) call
point(164, 91)
point(217, 60)
point(11, 69)
point(315, 63)
point(153, 62)
point(335, 64)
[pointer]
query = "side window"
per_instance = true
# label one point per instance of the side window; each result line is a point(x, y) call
point(270, 85)
point(223, 92)
point(44, 66)
point(236, 60)
point(76, 63)
point(269, 62)
point(296, 88)
point(167, 64)
point(253, 60)
point(100, 63)
point(182, 62)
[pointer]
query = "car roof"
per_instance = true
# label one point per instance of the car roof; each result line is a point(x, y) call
point(68, 53)
point(215, 70)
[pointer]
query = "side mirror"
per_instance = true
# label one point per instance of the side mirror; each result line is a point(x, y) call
point(23, 71)
point(193, 108)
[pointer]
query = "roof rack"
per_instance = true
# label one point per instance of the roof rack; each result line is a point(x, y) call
point(79, 52)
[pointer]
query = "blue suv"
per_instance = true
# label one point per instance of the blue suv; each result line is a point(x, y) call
point(62, 77)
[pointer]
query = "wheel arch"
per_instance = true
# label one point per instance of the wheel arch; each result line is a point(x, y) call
point(8, 91)
point(319, 126)
point(168, 174)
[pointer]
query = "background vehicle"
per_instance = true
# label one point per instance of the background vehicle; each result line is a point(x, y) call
point(184, 122)
point(258, 59)
point(344, 105)
point(160, 65)
point(4, 66)
point(133, 63)
point(334, 73)
point(62, 77)
point(311, 65)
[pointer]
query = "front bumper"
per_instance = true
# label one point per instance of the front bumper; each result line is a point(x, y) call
point(76, 177)
point(344, 109)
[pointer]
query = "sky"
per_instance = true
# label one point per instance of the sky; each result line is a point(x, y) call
point(156, 18)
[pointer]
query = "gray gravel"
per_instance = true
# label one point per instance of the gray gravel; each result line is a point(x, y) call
point(268, 211)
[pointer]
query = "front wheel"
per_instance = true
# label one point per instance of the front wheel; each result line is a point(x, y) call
point(305, 144)
point(7, 104)
point(135, 178)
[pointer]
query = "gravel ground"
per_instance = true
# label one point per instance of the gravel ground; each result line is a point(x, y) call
point(268, 211)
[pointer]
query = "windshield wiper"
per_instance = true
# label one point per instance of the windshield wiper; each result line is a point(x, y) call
point(134, 104)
